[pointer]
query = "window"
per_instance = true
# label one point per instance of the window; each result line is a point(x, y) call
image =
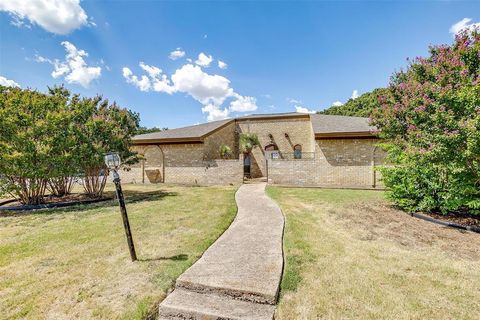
point(297, 151)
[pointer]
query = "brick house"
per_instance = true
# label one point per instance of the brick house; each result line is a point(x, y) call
point(296, 149)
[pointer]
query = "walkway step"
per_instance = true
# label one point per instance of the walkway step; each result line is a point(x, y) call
point(185, 304)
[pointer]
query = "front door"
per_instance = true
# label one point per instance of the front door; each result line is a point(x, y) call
point(247, 161)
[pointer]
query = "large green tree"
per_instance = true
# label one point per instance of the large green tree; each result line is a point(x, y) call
point(26, 131)
point(431, 125)
point(99, 128)
point(363, 106)
point(46, 140)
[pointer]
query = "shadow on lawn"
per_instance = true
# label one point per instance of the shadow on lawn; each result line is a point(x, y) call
point(178, 257)
point(131, 197)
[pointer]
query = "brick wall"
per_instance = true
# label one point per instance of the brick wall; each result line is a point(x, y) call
point(337, 163)
point(212, 172)
point(187, 163)
point(299, 131)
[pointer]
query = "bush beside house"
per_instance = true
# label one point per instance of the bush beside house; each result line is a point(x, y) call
point(431, 125)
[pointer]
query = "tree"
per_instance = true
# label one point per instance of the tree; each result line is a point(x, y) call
point(26, 142)
point(64, 153)
point(143, 130)
point(248, 141)
point(46, 140)
point(431, 123)
point(100, 128)
point(363, 106)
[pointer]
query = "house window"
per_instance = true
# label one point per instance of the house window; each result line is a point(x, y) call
point(297, 152)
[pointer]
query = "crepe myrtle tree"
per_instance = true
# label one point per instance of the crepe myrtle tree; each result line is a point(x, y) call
point(101, 127)
point(47, 139)
point(26, 143)
point(431, 125)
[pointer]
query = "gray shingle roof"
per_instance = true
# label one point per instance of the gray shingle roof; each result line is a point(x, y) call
point(323, 125)
point(332, 125)
point(190, 132)
point(272, 115)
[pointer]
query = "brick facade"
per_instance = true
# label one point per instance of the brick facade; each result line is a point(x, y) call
point(188, 163)
point(335, 162)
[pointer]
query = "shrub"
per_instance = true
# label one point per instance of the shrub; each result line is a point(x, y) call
point(431, 123)
point(225, 151)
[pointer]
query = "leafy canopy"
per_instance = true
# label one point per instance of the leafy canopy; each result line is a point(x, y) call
point(48, 138)
point(363, 106)
point(248, 141)
point(431, 123)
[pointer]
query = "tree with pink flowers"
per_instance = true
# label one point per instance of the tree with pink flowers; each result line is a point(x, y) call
point(431, 125)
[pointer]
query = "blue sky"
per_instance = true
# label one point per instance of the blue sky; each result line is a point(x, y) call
point(279, 55)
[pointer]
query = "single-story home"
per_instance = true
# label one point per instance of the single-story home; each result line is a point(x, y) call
point(295, 149)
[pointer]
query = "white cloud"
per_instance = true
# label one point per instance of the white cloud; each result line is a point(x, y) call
point(222, 65)
point(57, 16)
point(203, 87)
point(73, 68)
point(142, 83)
point(204, 60)
point(215, 112)
point(152, 71)
point(294, 101)
point(177, 54)
point(463, 24)
point(337, 104)
point(243, 104)
point(355, 94)
point(301, 109)
point(7, 82)
point(210, 90)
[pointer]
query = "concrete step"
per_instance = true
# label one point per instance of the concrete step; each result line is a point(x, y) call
point(186, 304)
point(229, 292)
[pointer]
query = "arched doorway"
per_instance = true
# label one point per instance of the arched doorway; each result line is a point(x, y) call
point(247, 165)
point(153, 164)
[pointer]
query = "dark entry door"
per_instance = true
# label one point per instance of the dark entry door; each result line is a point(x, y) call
point(247, 161)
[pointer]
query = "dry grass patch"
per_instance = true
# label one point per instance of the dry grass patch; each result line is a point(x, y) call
point(351, 256)
point(74, 263)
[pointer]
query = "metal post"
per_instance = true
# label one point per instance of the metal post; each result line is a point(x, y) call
point(123, 211)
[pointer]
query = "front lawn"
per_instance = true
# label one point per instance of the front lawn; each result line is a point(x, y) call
point(74, 263)
point(351, 256)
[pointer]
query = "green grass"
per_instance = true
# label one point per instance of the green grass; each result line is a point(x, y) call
point(74, 263)
point(349, 255)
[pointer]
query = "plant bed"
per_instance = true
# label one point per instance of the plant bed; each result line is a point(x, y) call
point(51, 202)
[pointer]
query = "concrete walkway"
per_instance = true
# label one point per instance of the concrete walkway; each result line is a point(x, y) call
point(238, 277)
